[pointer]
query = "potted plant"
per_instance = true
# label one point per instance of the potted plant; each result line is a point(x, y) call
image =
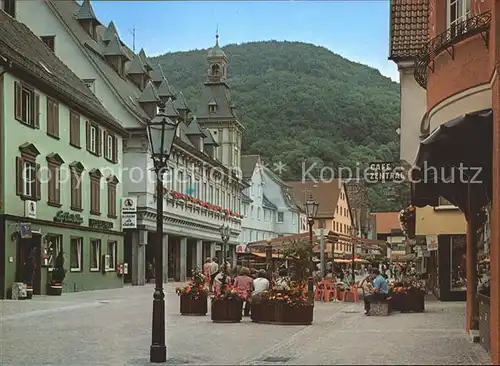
point(193, 296)
point(408, 295)
point(57, 276)
point(227, 304)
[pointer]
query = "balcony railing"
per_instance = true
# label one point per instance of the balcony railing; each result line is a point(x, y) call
point(479, 24)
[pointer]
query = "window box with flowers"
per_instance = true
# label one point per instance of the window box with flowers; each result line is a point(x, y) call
point(227, 304)
point(194, 296)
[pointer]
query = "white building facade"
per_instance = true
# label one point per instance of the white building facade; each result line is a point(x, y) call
point(260, 214)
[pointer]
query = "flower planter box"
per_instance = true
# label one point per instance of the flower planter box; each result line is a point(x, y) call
point(276, 313)
point(413, 300)
point(484, 321)
point(226, 310)
point(29, 292)
point(54, 289)
point(262, 311)
point(191, 305)
point(395, 300)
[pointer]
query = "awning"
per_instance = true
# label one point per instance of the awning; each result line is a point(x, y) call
point(455, 153)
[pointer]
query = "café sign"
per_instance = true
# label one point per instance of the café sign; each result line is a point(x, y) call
point(384, 172)
point(100, 224)
point(68, 218)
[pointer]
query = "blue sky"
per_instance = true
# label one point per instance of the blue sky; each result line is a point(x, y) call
point(357, 30)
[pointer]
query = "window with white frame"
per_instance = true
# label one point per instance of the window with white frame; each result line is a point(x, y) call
point(217, 196)
point(229, 202)
point(204, 192)
point(458, 12)
point(75, 254)
point(280, 218)
point(198, 188)
point(95, 254)
point(258, 213)
point(211, 194)
point(110, 147)
point(180, 181)
point(93, 139)
point(29, 175)
point(251, 212)
point(112, 254)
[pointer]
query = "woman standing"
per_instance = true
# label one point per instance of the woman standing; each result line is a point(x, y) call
point(243, 284)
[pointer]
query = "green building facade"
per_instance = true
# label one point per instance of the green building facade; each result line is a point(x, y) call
point(60, 166)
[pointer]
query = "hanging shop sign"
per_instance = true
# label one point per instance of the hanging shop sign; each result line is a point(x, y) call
point(25, 230)
point(384, 172)
point(100, 224)
point(68, 218)
point(432, 242)
point(129, 221)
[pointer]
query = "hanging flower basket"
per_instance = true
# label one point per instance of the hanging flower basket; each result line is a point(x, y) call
point(407, 221)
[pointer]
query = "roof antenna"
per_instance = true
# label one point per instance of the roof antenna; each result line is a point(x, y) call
point(133, 39)
point(217, 35)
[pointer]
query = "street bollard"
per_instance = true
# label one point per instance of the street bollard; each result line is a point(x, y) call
point(310, 290)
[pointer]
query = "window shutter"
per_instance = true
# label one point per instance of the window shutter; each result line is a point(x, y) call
point(105, 144)
point(57, 186)
point(49, 117)
point(17, 100)
point(38, 186)
point(99, 134)
point(19, 176)
point(115, 149)
point(87, 128)
point(55, 118)
point(36, 121)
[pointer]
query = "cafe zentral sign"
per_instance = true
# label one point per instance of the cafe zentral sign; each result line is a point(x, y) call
point(384, 172)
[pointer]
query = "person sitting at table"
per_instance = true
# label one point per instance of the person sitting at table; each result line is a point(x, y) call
point(379, 292)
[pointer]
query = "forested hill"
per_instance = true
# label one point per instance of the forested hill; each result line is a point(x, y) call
point(301, 102)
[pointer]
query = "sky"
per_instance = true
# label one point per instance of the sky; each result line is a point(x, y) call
point(357, 30)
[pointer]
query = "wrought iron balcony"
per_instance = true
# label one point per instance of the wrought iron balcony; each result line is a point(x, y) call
point(479, 24)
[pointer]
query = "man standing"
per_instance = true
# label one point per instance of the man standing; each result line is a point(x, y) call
point(380, 290)
point(214, 268)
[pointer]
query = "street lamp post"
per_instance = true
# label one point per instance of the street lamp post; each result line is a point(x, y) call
point(311, 208)
point(161, 132)
point(225, 235)
point(353, 243)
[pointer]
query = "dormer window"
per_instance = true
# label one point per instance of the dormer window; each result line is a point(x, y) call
point(212, 108)
point(49, 41)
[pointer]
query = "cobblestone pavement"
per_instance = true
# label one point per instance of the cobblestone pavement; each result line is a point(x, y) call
point(112, 327)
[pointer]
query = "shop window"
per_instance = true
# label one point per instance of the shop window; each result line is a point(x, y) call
point(112, 252)
point(75, 254)
point(95, 255)
point(457, 263)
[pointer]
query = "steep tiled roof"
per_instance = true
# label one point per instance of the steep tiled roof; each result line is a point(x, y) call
point(248, 163)
point(386, 221)
point(127, 92)
point(27, 52)
point(325, 193)
point(409, 27)
point(267, 204)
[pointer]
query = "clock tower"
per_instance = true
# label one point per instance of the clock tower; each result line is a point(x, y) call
point(216, 110)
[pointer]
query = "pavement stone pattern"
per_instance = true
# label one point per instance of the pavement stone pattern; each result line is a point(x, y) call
point(113, 327)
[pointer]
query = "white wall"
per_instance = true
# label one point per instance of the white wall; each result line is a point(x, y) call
point(413, 108)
